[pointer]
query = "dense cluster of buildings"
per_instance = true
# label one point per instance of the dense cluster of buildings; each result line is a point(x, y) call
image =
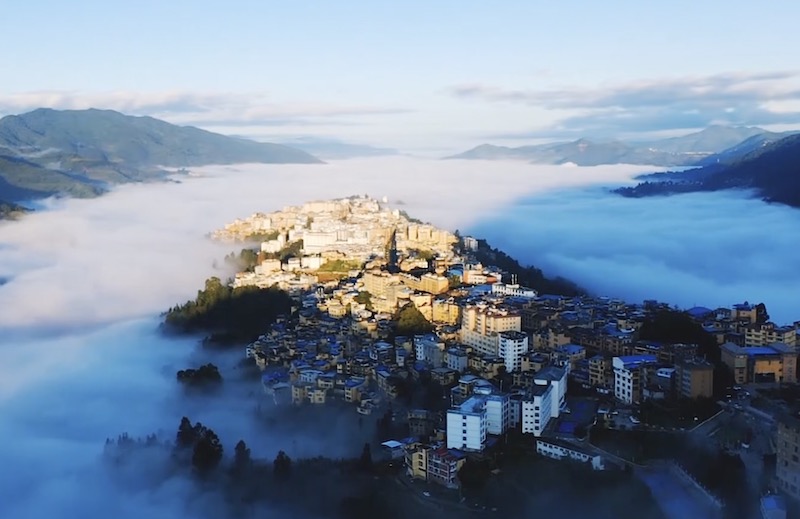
point(504, 353)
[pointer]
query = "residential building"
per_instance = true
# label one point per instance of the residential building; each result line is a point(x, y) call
point(568, 355)
point(481, 323)
point(512, 346)
point(467, 426)
point(787, 469)
point(767, 333)
point(630, 377)
point(429, 348)
point(695, 378)
point(560, 450)
point(772, 363)
point(456, 359)
point(536, 409)
point(513, 290)
point(557, 378)
point(601, 371)
point(434, 464)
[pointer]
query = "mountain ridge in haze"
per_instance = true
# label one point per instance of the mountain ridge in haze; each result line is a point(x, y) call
point(772, 169)
point(686, 150)
point(82, 153)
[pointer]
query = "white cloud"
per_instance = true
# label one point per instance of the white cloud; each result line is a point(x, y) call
point(81, 358)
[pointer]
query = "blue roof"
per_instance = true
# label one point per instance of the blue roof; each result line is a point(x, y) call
point(760, 350)
point(699, 311)
point(571, 349)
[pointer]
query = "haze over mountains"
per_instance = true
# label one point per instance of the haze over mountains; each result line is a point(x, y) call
point(83, 152)
point(715, 143)
point(771, 169)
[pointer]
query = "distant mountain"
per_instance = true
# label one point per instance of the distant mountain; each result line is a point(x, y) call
point(336, 149)
point(772, 170)
point(10, 211)
point(84, 152)
point(747, 146)
point(687, 150)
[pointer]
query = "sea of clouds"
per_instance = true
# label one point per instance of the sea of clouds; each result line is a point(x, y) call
point(81, 357)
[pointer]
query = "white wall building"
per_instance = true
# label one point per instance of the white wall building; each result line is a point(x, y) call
point(560, 450)
point(466, 425)
point(629, 377)
point(498, 410)
point(557, 378)
point(536, 409)
point(429, 348)
point(514, 290)
point(511, 347)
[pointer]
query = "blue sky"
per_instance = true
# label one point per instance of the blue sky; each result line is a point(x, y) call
point(417, 75)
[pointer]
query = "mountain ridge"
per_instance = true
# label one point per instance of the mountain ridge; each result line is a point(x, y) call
point(687, 150)
point(83, 153)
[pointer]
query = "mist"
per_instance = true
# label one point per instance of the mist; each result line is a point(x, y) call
point(82, 359)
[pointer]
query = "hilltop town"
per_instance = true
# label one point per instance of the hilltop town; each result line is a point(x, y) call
point(398, 318)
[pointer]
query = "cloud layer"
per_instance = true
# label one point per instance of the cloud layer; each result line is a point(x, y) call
point(81, 358)
point(735, 98)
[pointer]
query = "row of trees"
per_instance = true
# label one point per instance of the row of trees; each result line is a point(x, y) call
point(207, 374)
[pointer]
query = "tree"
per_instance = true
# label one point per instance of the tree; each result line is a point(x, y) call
point(473, 475)
point(282, 466)
point(410, 321)
point(241, 458)
point(207, 452)
point(364, 298)
point(365, 461)
point(187, 436)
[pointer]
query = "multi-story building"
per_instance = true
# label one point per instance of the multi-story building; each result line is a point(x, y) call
point(601, 371)
point(557, 378)
point(481, 324)
point(630, 377)
point(446, 311)
point(512, 346)
point(497, 406)
point(434, 464)
point(467, 425)
point(695, 378)
point(788, 456)
point(773, 363)
point(456, 359)
point(536, 409)
point(568, 355)
point(559, 450)
point(767, 333)
point(429, 348)
point(513, 290)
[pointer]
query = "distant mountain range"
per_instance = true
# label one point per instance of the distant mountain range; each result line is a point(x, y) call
point(84, 152)
point(771, 168)
point(336, 149)
point(711, 145)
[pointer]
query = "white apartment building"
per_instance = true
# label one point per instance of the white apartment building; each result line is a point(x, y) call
point(511, 346)
point(536, 409)
point(498, 410)
point(557, 378)
point(513, 290)
point(629, 377)
point(481, 323)
point(559, 450)
point(467, 425)
point(429, 348)
point(456, 359)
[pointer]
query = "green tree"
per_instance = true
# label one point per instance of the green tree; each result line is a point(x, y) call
point(241, 458)
point(410, 321)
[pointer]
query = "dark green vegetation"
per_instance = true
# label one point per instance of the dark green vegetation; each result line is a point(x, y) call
point(204, 376)
point(773, 171)
point(529, 276)
point(84, 152)
point(686, 150)
point(290, 250)
point(245, 261)
point(229, 314)
point(677, 327)
point(410, 322)
point(11, 211)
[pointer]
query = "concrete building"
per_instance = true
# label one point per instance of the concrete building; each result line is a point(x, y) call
point(512, 346)
point(601, 372)
point(513, 290)
point(467, 425)
point(787, 470)
point(767, 333)
point(536, 409)
point(557, 378)
point(429, 348)
point(773, 363)
point(481, 324)
point(630, 377)
point(456, 359)
point(559, 450)
point(694, 378)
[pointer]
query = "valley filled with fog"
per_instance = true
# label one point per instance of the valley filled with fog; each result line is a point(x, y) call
point(82, 359)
